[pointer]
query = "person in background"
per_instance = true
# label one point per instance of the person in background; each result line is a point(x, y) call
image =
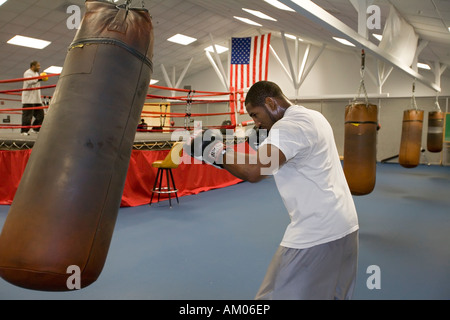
point(32, 99)
point(143, 125)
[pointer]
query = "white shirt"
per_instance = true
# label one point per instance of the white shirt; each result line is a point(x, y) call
point(31, 96)
point(311, 182)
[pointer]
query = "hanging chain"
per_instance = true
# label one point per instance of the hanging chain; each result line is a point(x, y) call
point(436, 103)
point(128, 3)
point(413, 98)
point(187, 117)
point(362, 86)
point(163, 120)
point(125, 5)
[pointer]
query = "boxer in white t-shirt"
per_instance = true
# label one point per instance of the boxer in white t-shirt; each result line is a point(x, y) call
point(318, 255)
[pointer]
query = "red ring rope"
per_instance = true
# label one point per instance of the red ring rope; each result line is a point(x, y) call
point(192, 98)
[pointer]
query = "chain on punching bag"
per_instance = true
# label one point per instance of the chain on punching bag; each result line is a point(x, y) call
point(63, 215)
point(411, 140)
point(435, 134)
point(360, 144)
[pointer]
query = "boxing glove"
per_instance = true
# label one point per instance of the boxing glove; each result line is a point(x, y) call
point(255, 137)
point(44, 74)
point(207, 146)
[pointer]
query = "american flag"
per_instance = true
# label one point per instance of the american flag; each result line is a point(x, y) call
point(249, 62)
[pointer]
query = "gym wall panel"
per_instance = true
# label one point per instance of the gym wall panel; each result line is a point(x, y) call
point(336, 72)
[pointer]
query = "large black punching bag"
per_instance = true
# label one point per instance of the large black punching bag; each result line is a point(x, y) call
point(411, 139)
point(65, 208)
point(360, 147)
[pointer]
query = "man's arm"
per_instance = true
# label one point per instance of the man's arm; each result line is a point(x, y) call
point(29, 83)
point(254, 167)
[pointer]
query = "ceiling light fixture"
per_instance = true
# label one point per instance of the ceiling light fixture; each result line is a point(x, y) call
point(423, 66)
point(279, 5)
point(219, 49)
point(28, 42)
point(344, 41)
point(54, 70)
point(248, 21)
point(259, 14)
point(181, 39)
point(290, 36)
point(377, 36)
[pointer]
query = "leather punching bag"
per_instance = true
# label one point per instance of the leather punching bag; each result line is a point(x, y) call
point(411, 140)
point(360, 147)
point(65, 208)
point(435, 135)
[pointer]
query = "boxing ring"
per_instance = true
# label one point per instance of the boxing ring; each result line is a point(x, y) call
point(151, 143)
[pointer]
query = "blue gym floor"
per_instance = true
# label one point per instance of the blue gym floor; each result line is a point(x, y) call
point(217, 245)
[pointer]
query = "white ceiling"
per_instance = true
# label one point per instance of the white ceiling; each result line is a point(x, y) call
point(46, 19)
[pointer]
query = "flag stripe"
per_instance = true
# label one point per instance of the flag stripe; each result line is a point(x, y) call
point(267, 53)
point(255, 57)
point(242, 78)
point(248, 78)
point(261, 52)
point(249, 62)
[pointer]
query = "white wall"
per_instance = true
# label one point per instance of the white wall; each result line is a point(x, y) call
point(337, 72)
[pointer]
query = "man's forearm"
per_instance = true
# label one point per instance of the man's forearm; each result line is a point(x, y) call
point(243, 166)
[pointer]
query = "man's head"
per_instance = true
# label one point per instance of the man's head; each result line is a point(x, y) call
point(266, 104)
point(35, 66)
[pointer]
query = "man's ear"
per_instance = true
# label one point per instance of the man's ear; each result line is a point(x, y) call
point(271, 103)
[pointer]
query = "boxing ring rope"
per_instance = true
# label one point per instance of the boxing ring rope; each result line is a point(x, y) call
point(153, 143)
point(190, 99)
point(32, 78)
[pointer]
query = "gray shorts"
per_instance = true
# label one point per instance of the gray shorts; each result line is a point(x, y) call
point(325, 271)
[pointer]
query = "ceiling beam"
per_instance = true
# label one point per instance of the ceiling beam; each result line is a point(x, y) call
point(318, 15)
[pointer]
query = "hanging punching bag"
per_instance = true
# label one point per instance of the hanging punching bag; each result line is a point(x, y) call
point(411, 140)
point(62, 217)
point(435, 135)
point(360, 147)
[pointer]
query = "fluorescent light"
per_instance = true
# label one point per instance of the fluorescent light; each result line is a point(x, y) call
point(290, 36)
point(153, 81)
point(423, 66)
point(248, 21)
point(219, 49)
point(53, 69)
point(28, 42)
point(2, 2)
point(181, 39)
point(377, 36)
point(279, 5)
point(259, 14)
point(344, 41)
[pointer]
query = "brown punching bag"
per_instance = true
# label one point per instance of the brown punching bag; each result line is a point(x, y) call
point(411, 140)
point(63, 215)
point(435, 135)
point(360, 147)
